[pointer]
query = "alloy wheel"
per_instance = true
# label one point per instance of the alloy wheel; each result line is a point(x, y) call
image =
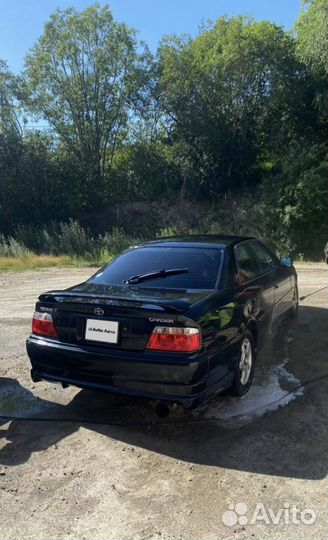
point(246, 360)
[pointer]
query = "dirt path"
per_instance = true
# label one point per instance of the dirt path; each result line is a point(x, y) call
point(95, 478)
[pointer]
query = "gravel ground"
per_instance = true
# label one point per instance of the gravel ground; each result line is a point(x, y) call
point(98, 466)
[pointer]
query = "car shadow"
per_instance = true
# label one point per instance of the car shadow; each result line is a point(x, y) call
point(288, 440)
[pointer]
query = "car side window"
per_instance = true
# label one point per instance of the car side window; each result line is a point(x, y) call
point(247, 265)
point(266, 259)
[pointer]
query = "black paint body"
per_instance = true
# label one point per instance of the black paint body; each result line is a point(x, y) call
point(222, 315)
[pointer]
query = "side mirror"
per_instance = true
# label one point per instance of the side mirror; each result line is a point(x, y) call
point(286, 261)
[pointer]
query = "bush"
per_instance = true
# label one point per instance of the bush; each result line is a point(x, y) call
point(116, 241)
point(75, 240)
point(65, 239)
point(10, 247)
point(39, 239)
point(294, 207)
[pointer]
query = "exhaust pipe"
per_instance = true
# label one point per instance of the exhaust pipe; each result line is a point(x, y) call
point(163, 408)
point(34, 376)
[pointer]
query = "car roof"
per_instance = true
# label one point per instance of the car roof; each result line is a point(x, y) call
point(198, 240)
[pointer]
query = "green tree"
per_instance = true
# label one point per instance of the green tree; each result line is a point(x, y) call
point(36, 182)
point(9, 110)
point(236, 96)
point(295, 201)
point(85, 77)
point(146, 171)
point(312, 35)
point(311, 30)
point(10, 139)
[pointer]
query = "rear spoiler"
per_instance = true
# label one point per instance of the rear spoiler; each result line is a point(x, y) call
point(63, 297)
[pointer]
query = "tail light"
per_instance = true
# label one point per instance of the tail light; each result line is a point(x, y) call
point(43, 324)
point(176, 339)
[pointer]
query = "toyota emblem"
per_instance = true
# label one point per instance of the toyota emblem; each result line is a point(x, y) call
point(99, 311)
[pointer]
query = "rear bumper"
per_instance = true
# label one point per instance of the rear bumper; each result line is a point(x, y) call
point(180, 378)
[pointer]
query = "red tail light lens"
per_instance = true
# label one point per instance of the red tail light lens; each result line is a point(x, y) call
point(43, 324)
point(174, 339)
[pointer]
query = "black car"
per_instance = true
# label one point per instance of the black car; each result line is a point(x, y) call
point(177, 319)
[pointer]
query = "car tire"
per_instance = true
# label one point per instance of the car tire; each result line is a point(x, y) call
point(244, 371)
point(294, 309)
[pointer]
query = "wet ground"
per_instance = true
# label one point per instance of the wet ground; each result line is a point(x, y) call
point(91, 465)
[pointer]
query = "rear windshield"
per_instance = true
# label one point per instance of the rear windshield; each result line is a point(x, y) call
point(203, 265)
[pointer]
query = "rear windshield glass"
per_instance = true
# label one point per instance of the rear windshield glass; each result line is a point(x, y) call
point(203, 265)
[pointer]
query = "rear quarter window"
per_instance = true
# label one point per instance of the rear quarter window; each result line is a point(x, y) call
point(247, 265)
point(267, 260)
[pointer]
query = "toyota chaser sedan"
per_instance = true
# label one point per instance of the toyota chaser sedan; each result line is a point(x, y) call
point(177, 320)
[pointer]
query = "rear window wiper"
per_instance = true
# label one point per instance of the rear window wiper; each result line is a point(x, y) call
point(156, 274)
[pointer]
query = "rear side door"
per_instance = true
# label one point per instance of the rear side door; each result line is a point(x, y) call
point(246, 293)
point(280, 275)
point(257, 290)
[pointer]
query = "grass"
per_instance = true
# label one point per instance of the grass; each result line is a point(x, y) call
point(37, 262)
point(31, 261)
point(305, 262)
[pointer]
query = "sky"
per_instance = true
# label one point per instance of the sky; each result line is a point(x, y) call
point(22, 21)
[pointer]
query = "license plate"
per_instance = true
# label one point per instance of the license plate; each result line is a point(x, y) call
point(105, 331)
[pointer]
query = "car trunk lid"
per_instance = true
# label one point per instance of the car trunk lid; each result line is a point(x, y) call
point(115, 316)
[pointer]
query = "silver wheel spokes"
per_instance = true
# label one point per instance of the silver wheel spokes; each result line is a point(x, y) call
point(245, 362)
